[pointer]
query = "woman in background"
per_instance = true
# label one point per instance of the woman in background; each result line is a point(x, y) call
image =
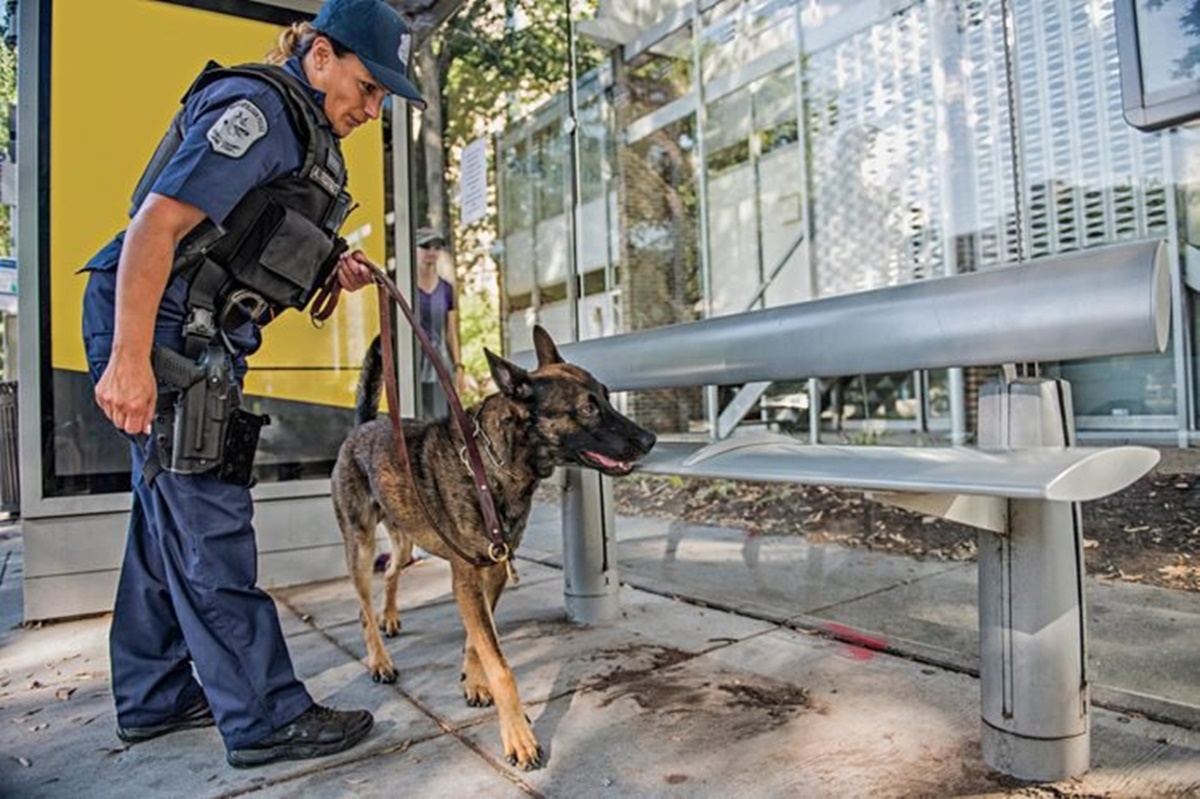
point(438, 313)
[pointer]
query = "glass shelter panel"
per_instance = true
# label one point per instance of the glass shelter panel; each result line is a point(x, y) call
point(735, 155)
point(661, 75)
point(1089, 179)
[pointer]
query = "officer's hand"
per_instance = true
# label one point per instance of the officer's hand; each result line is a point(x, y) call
point(127, 393)
point(354, 271)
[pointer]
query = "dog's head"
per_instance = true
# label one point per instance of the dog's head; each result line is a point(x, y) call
point(569, 413)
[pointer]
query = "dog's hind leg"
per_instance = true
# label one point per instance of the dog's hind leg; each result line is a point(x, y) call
point(402, 548)
point(359, 536)
point(471, 591)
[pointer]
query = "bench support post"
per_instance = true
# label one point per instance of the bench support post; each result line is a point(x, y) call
point(589, 548)
point(1033, 654)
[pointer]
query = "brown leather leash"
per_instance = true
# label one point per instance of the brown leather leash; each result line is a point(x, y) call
point(498, 550)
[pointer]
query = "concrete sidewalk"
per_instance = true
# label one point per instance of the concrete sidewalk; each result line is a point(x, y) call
point(674, 699)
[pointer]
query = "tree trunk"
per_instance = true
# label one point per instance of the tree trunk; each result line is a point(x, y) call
point(429, 69)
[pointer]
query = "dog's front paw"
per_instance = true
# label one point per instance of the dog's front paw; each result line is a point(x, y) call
point(521, 748)
point(383, 672)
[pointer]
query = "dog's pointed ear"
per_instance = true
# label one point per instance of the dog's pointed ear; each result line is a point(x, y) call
point(544, 346)
point(512, 380)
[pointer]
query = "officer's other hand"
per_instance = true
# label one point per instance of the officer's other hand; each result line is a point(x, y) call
point(127, 393)
point(354, 271)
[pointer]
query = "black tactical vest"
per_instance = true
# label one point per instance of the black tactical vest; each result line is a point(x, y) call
point(280, 243)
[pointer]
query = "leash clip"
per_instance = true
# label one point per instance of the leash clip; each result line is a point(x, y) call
point(498, 551)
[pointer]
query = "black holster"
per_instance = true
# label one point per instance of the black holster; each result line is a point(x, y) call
point(199, 426)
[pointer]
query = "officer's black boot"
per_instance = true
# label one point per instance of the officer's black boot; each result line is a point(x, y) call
point(197, 714)
point(316, 732)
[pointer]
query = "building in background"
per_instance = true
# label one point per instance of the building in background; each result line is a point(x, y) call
point(752, 153)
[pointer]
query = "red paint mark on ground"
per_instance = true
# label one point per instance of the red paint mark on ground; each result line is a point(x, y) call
point(862, 647)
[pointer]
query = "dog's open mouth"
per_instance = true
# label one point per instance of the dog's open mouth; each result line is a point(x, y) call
point(602, 463)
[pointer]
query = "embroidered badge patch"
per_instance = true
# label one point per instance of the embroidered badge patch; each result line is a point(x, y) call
point(239, 127)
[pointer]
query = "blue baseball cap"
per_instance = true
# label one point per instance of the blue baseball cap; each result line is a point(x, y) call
point(378, 36)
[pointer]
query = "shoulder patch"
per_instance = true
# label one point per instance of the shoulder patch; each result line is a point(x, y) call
point(239, 127)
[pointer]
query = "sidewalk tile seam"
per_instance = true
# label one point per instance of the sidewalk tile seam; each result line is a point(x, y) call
point(447, 726)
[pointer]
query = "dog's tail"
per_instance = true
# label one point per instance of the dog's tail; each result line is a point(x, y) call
point(370, 385)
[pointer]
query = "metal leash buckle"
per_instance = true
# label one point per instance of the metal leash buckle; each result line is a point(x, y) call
point(498, 551)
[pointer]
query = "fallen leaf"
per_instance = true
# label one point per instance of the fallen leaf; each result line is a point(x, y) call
point(63, 694)
point(1090, 543)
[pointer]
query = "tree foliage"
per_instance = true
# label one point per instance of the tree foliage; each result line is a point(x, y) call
point(504, 59)
point(495, 62)
point(8, 99)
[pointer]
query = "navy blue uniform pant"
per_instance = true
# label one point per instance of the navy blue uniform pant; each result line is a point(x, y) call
point(187, 594)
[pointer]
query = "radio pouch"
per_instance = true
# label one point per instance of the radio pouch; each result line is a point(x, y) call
point(241, 442)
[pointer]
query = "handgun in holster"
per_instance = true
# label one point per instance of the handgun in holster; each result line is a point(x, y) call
point(204, 429)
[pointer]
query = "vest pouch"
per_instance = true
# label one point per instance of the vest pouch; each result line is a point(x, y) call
point(293, 263)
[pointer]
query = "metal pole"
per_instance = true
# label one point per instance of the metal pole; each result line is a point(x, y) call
point(571, 129)
point(1011, 315)
point(1032, 631)
point(956, 183)
point(1184, 401)
point(590, 583)
point(957, 388)
point(404, 222)
point(814, 410)
point(589, 548)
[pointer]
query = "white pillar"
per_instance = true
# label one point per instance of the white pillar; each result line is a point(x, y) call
point(1033, 642)
point(591, 587)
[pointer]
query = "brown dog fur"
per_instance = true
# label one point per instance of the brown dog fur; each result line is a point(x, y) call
point(556, 415)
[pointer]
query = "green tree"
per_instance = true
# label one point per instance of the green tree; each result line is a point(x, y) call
point(482, 64)
point(8, 99)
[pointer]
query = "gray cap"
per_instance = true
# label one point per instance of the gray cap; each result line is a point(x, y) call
point(429, 237)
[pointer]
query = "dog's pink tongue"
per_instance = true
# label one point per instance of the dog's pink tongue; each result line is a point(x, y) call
point(603, 460)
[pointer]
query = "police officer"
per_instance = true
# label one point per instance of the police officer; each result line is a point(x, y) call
point(249, 148)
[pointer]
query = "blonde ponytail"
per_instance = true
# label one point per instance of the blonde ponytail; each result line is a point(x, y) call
point(293, 40)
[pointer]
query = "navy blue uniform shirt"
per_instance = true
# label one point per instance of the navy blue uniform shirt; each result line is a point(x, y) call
point(208, 173)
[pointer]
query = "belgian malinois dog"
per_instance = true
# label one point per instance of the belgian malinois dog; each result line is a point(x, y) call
point(556, 415)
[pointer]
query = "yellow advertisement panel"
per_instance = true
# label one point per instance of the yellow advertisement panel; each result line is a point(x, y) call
point(118, 71)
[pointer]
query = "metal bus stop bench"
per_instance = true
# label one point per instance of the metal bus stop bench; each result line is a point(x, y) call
point(1020, 485)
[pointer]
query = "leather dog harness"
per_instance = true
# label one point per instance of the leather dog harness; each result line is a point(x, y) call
point(498, 550)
